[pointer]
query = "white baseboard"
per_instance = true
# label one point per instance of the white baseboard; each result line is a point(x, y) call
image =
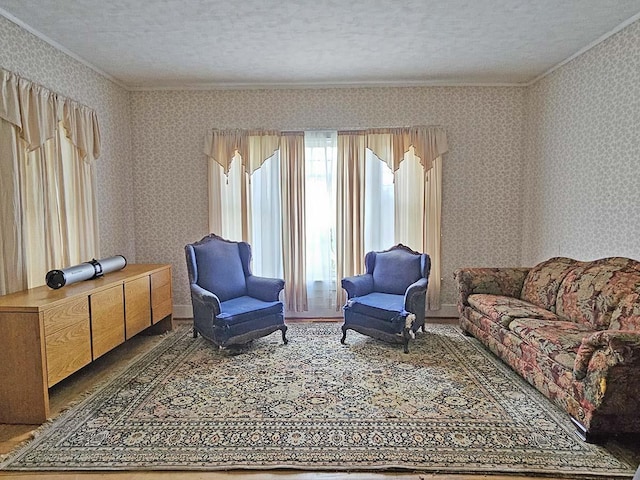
point(446, 311)
point(182, 311)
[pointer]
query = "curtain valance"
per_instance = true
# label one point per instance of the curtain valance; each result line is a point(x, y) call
point(254, 147)
point(36, 111)
point(389, 144)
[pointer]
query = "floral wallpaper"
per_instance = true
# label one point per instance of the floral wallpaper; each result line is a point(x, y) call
point(582, 175)
point(23, 53)
point(481, 173)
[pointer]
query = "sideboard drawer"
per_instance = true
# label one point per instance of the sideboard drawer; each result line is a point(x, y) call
point(107, 319)
point(69, 313)
point(161, 298)
point(137, 306)
point(68, 350)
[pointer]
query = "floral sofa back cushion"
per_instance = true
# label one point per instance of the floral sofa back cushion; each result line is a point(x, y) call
point(626, 316)
point(543, 281)
point(600, 291)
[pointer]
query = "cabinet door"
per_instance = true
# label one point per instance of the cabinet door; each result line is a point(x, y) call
point(67, 339)
point(161, 301)
point(107, 320)
point(137, 306)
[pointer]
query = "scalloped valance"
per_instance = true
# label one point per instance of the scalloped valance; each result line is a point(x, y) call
point(37, 111)
point(389, 144)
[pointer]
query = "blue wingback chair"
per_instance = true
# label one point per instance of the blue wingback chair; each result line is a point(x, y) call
point(230, 305)
point(388, 301)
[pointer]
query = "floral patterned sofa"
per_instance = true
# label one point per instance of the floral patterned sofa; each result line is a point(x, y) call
point(570, 328)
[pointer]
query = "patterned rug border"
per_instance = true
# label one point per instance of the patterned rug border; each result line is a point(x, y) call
point(170, 339)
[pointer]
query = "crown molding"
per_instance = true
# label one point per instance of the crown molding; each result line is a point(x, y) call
point(316, 85)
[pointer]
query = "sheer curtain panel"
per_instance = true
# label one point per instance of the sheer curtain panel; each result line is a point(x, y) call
point(320, 223)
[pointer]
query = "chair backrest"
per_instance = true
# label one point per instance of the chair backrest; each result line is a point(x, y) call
point(395, 269)
point(219, 266)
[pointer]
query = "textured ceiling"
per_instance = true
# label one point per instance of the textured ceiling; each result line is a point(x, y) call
point(191, 43)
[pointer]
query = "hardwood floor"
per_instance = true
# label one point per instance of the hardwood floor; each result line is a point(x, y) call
point(72, 389)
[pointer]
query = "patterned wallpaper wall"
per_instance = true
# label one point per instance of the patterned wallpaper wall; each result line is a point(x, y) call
point(582, 175)
point(30, 57)
point(481, 174)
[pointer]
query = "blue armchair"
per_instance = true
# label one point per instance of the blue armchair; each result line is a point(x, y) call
point(230, 305)
point(388, 301)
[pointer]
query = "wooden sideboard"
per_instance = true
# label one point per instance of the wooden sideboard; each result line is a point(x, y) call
point(46, 335)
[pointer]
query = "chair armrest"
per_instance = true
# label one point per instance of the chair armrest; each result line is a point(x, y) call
point(602, 350)
point(495, 281)
point(414, 292)
point(358, 285)
point(264, 288)
point(205, 299)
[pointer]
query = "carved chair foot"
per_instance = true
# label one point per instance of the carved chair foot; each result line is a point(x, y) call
point(344, 336)
point(284, 337)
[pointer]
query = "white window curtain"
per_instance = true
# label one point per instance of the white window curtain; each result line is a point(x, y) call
point(266, 219)
point(379, 211)
point(320, 212)
point(409, 202)
point(48, 213)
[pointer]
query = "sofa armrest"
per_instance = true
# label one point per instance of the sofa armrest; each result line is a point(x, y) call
point(358, 285)
point(204, 301)
point(264, 288)
point(618, 347)
point(505, 281)
point(416, 293)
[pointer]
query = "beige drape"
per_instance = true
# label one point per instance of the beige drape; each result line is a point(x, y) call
point(48, 214)
point(292, 172)
point(432, 230)
point(349, 208)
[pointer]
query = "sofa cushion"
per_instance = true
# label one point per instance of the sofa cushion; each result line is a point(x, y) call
point(384, 306)
point(559, 340)
point(245, 308)
point(591, 293)
point(543, 281)
point(503, 310)
point(395, 270)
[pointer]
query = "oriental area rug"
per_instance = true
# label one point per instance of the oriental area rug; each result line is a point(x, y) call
point(314, 404)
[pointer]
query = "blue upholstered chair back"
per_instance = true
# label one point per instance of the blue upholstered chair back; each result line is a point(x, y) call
point(394, 270)
point(220, 266)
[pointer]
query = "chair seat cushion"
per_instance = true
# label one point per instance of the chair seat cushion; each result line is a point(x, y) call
point(384, 306)
point(245, 308)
